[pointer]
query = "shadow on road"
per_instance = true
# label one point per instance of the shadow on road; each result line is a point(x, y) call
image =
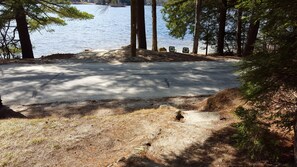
point(53, 89)
point(77, 82)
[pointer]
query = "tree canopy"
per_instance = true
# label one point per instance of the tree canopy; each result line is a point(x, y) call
point(268, 74)
point(37, 15)
point(266, 32)
point(42, 12)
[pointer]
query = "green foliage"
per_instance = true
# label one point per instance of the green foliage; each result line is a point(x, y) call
point(39, 14)
point(53, 12)
point(9, 46)
point(127, 2)
point(42, 13)
point(254, 137)
point(267, 71)
point(209, 26)
point(268, 76)
point(271, 71)
point(180, 17)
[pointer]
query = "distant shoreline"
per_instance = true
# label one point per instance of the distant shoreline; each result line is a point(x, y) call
point(90, 3)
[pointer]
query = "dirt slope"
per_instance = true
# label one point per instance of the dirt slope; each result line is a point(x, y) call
point(135, 137)
point(175, 132)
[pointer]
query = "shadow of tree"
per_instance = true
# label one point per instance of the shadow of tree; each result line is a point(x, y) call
point(6, 112)
point(217, 150)
point(107, 107)
point(50, 84)
point(23, 84)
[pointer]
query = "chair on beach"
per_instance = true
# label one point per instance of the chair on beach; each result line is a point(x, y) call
point(171, 49)
point(186, 50)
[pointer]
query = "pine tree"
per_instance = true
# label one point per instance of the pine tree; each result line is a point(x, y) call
point(31, 15)
point(133, 28)
point(222, 26)
point(198, 8)
point(141, 34)
point(269, 71)
point(154, 25)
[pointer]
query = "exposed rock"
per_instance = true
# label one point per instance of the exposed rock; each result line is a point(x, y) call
point(162, 49)
point(179, 116)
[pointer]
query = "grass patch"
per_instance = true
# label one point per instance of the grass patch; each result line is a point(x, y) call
point(90, 117)
point(56, 147)
point(37, 141)
point(11, 127)
point(6, 159)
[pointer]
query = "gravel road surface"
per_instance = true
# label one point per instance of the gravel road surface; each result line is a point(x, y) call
point(22, 84)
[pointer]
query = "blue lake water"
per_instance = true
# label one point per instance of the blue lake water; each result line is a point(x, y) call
point(110, 29)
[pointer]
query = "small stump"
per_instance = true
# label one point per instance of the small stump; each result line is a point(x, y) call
point(179, 116)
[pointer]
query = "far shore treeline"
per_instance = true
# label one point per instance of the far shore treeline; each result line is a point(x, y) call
point(106, 2)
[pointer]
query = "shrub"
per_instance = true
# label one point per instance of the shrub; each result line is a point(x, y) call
point(253, 136)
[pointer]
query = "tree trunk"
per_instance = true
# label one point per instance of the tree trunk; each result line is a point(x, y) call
point(239, 32)
point(222, 25)
point(198, 8)
point(22, 27)
point(295, 143)
point(154, 23)
point(133, 28)
point(206, 47)
point(252, 36)
point(1, 105)
point(141, 25)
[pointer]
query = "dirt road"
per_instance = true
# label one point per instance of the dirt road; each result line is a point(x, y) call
point(68, 81)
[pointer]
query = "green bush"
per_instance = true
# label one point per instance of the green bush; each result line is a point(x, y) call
point(254, 138)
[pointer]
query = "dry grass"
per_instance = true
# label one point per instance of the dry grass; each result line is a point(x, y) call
point(38, 139)
point(140, 137)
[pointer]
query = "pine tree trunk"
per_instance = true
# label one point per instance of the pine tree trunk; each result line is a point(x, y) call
point(1, 105)
point(295, 143)
point(141, 25)
point(133, 28)
point(222, 25)
point(198, 9)
point(206, 47)
point(252, 37)
point(154, 24)
point(22, 27)
point(239, 32)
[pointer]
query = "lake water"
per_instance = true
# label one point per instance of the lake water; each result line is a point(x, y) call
point(110, 29)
